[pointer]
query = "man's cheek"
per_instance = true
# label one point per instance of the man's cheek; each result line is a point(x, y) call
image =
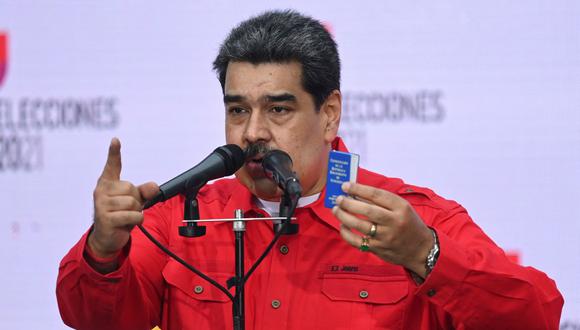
point(233, 133)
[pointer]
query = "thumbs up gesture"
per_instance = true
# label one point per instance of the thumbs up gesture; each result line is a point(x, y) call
point(118, 206)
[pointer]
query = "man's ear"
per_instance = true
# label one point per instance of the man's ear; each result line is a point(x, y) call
point(331, 109)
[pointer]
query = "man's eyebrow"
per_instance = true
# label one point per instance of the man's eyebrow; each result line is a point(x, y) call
point(228, 98)
point(284, 97)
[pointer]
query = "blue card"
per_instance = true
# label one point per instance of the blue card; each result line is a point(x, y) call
point(342, 167)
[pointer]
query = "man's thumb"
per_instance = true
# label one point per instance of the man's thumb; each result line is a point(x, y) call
point(148, 190)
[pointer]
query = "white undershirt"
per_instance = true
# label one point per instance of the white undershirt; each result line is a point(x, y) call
point(273, 208)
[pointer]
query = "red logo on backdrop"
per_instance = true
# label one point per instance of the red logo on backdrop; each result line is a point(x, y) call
point(3, 55)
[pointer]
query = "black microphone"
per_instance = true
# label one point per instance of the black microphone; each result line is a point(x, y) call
point(278, 165)
point(223, 161)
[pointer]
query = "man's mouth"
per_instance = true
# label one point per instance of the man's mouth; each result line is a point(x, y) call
point(256, 160)
point(254, 166)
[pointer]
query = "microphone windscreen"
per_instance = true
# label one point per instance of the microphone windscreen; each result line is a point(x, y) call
point(233, 156)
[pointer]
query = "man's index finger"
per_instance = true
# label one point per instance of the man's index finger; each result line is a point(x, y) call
point(112, 170)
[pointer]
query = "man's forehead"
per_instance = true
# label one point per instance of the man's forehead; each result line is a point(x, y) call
point(263, 72)
point(263, 82)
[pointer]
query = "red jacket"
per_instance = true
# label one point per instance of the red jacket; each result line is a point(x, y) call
point(312, 280)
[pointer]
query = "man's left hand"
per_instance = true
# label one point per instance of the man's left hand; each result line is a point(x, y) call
point(401, 236)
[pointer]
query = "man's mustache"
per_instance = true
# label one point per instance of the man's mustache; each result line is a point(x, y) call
point(256, 149)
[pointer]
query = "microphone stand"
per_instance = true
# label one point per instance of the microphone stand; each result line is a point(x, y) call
point(238, 305)
point(285, 227)
point(192, 229)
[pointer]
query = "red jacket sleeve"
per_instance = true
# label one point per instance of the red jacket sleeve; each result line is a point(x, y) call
point(480, 288)
point(128, 298)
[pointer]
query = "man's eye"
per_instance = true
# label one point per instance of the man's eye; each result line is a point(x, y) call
point(236, 110)
point(279, 109)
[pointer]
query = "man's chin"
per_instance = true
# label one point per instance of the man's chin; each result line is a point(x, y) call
point(262, 188)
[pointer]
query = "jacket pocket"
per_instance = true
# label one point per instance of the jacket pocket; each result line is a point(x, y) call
point(191, 302)
point(373, 297)
point(365, 289)
point(193, 286)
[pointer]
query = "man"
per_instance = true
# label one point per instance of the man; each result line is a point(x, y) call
point(391, 256)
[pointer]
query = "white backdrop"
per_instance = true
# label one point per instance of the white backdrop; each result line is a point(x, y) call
point(479, 101)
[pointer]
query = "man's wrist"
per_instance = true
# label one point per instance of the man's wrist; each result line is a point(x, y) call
point(96, 248)
point(433, 254)
point(425, 263)
point(103, 263)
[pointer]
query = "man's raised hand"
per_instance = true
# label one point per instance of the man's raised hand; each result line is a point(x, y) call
point(118, 205)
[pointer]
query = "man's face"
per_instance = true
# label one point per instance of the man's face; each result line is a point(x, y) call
point(266, 103)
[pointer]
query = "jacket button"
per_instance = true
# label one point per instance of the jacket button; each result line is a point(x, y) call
point(198, 289)
point(284, 249)
point(363, 294)
point(276, 303)
point(431, 292)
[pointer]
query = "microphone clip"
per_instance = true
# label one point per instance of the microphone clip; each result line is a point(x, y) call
point(288, 204)
point(191, 212)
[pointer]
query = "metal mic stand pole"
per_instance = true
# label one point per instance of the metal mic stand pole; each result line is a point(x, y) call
point(238, 303)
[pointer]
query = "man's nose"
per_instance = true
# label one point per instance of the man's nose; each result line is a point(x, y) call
point(257, 128)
